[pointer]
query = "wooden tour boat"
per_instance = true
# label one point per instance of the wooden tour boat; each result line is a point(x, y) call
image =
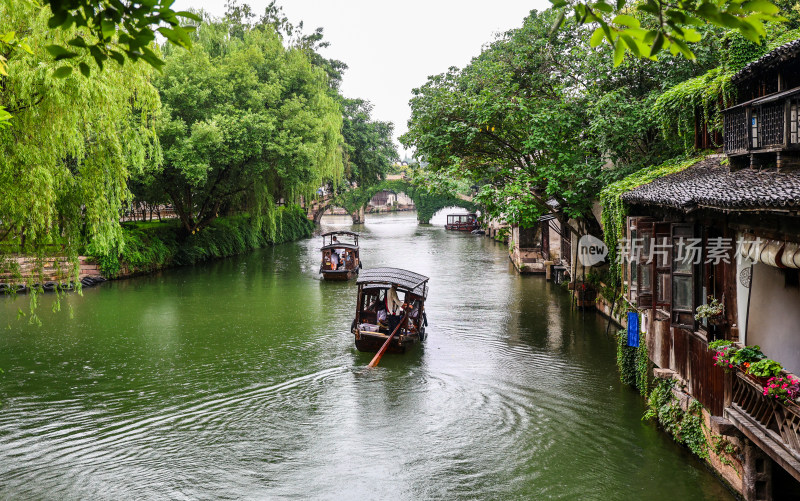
point(340, 260)
point(388, 298)
point(462, 222)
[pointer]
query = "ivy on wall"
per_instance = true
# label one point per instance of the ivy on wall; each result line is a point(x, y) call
point(685, 426)
point(615, 212)
point(633, 364)
point(676, 108)
point(710, 93)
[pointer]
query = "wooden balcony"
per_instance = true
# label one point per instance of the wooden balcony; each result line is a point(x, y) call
point(772, 426)
point(767, 124)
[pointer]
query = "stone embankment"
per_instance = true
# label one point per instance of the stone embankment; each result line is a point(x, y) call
point(20, 273)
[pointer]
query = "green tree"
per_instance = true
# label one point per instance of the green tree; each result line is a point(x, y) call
point(106, 29)
point(369, 150)
point(75, 141)
point(247, 121)
point(510, 122)
point(647, 27)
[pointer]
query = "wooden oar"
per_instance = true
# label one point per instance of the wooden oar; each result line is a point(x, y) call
point(377, 358)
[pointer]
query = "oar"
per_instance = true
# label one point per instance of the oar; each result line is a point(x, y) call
point(377, 358)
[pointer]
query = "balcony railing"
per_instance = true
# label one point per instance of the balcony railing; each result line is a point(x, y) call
point(773, 426)
point(768, 123)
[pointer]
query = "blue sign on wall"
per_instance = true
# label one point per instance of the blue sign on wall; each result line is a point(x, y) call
point(633, 329)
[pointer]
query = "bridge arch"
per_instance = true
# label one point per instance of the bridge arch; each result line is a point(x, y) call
point(317, 211)
point(355, 201)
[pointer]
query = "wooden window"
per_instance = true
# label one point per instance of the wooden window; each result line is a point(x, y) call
point(684, 275)
point(630, 266)
point(645, 263)
point(662, 260)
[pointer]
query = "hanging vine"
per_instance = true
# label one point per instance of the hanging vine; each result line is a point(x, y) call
point(615, 212)
point(633, 364)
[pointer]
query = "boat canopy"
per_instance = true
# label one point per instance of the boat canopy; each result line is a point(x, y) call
point(341, 246)
point(327, 239)
point(331, 233)
point(409, 280)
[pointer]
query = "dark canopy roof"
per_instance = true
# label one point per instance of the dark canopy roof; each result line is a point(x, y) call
point(395, 276)
point(707, 184)
point(769, 60)
point(351, 233)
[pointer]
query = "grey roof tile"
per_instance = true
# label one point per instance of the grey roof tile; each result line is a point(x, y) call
point(709, 184)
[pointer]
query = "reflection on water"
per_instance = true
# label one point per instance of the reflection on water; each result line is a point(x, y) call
point(238, 379)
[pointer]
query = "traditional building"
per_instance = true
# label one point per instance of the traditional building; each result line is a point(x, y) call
point(538, 249)
point(727, 230)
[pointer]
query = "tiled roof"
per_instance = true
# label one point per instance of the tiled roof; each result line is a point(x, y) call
point(707, 184)
point(768, 60)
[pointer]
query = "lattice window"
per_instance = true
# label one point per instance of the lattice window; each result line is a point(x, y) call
point(793, 122)
point(770, 130)
point(736, 130)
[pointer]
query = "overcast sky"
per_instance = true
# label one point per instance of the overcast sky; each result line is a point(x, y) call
point(392, 47)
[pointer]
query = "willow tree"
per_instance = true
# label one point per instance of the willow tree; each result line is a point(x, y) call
point(72, 145)
point(247, 121)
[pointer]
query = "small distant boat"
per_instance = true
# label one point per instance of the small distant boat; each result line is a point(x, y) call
point(340, 259)
point(390, 300)
point(462, 222)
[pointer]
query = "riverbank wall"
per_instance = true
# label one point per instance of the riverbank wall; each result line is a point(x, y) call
point(149, 247)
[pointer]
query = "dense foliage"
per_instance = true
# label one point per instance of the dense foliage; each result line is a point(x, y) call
point(541, 122)
point(250, 117)
point(645, 28)
point(687, 426)
point(633, 364)
point(151, 246)
point(368, 146)
point(426, 200)
point(74, 142)
point(246, 122)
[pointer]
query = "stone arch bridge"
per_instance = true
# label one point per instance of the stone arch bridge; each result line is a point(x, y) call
point(354, 201)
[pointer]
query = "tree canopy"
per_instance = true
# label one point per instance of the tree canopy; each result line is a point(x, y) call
point(646, 28)
point(246, 122)
point(541, 120)
point(65, 162)
point(369, 149)
point(528, 120)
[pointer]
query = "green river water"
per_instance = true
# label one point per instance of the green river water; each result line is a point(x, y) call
point(238, 379)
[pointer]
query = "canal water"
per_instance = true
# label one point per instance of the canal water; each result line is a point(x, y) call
point(238, 379)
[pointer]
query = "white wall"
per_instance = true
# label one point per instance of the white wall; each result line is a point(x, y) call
point(774, 315)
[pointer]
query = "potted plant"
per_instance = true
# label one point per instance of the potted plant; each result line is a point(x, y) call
point(719, 343)
point(763, 369)
point(723, 357)
point(782, 388)
point(713, 311)
point(747, 355)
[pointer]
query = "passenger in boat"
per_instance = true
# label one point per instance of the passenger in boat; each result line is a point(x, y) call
point(334, 260)
point(393, 303)
point(383, 323)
